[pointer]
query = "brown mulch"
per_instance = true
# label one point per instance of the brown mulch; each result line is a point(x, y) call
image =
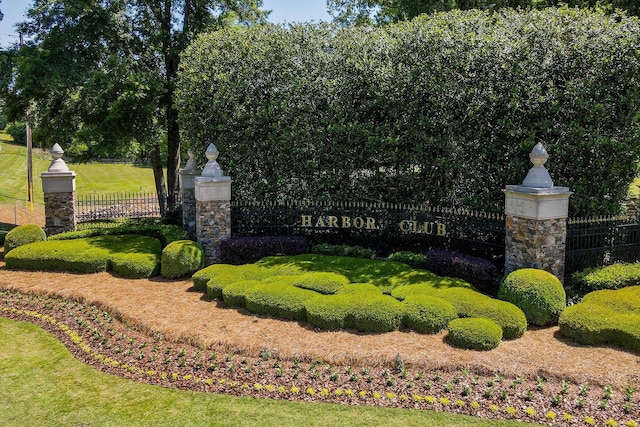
point(165, 333)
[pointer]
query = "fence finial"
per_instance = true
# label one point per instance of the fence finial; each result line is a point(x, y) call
point(212, 168)
point(538, 176)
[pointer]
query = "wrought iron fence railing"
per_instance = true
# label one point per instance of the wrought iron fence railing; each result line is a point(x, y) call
point(104, 207)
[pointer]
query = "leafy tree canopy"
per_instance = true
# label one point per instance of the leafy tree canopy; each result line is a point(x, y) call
point(358, 12)
point(98, 75)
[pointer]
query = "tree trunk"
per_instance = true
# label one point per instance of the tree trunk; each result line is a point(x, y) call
point(158, 175)
point(173, 154)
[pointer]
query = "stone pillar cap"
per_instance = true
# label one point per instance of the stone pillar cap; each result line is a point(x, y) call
point(57, 164)
point(538, 176)
point(212, 168)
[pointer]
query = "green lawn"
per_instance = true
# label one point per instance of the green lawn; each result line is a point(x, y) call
point(101, 178)
point(42, 384)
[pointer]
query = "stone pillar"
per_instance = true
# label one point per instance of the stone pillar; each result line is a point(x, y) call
point(536, 220)
point(213, 207)
point(188, 195)
point(59, 186)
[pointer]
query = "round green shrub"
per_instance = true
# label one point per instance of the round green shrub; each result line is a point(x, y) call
point(323, 283)
point(280, 300)
point(412, 259)
point(538, 293)
point(426, 314)
point(181, 258)
point(22, 235)
point(474, 333)
point(470, 303)
point(375, 313)
point(328, 311)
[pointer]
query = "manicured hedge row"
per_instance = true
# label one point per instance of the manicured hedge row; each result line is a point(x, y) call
point(614, 276)
point(474, 333)
point(605, 317)
point(427, 110)
point(164, 233)
point(181, 258)
point(130, 256)
point(344, 250)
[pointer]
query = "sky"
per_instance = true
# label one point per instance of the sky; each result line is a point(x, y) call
point(282, 11)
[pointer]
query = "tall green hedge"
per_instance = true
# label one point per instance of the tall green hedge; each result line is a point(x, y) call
point(442, 109)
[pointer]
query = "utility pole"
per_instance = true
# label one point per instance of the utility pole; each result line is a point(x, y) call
point(29, 151)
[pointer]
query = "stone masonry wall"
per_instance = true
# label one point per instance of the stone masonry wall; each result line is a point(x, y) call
point(189, 211)
point(536, 243)
point(60, 212)
point(213, 225)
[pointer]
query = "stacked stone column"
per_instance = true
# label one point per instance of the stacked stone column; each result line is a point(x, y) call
point(213, 207)
point(188, 195)
point(59, 186)
point(536, 220)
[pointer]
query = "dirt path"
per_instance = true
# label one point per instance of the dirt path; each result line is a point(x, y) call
point(174, 309)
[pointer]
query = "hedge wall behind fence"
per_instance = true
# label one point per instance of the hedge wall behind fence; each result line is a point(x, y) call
point(443, 109)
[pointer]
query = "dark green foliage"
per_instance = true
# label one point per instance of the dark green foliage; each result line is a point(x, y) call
point(539, 294)
point(128, 255)
point(23, 234)
point(279, 300)
point(152, 228)
point(614, 276)
point(323, 283)
point(410, 258)
point(481, 273)
point(474, 333)
point(181, 258)
point(18, 131)
point(426, 314)
point(343, 250)
point(605, 317)
point(428, 110)
point(246, 250)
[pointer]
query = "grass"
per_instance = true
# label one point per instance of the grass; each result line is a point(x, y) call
point(42, 384)
point(90, 177)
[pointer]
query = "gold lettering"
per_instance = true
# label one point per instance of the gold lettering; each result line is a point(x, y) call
point(320, 222)
point(442, 229)
point(405, 225)
point(428, 227)
point(415, 226)
point(306, 220)
point(371, 223)
point(346, 222)
point(333, 222)
point(358, 223)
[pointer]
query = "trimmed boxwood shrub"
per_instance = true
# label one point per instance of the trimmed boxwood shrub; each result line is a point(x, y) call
point(233, 294)
point(429, 287)
point(426, 314)
point(470, 303)
point(614, 276)
point(359, 288)
point(136, 265)
point(23, 234)
point(142, 227)
point(279, 300)
point(538, 293)
point(246, 250)
point(329, 311)
point(605, 317)
point(375, 313)
point(89, 255)
point(474, 333)
point(323, 283)
point(181, 258)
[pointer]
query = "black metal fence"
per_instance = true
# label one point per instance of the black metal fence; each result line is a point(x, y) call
point(381, 226)
point(593, 242)
point(109, 207)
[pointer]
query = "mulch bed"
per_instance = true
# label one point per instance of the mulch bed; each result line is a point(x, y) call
point(99, 337)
